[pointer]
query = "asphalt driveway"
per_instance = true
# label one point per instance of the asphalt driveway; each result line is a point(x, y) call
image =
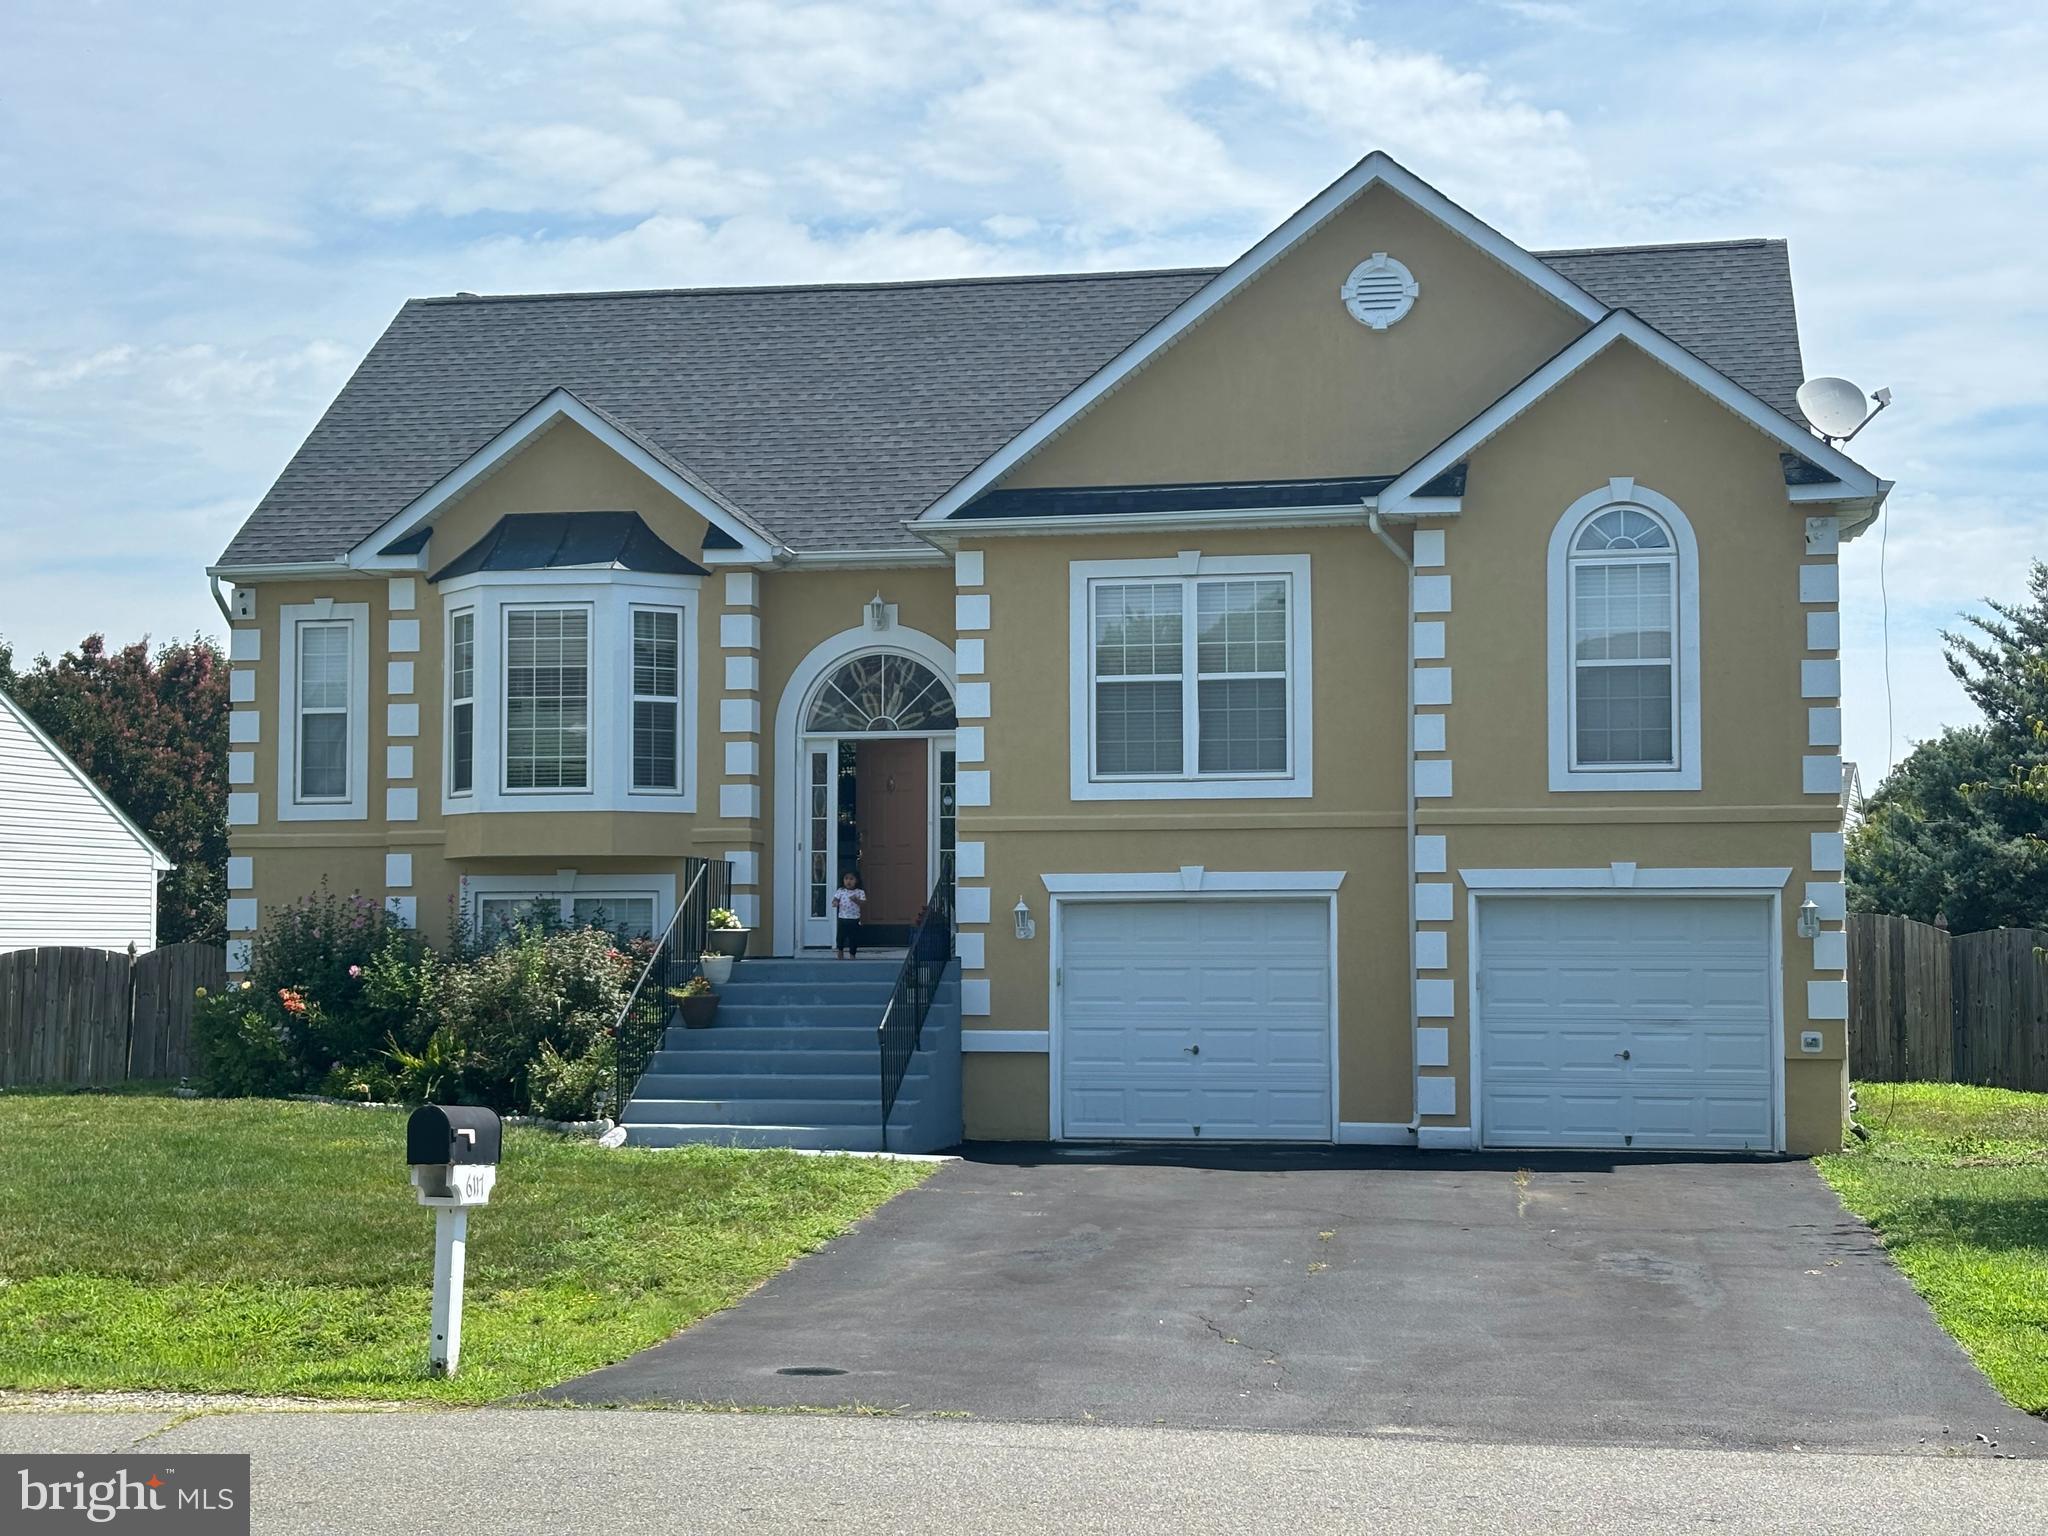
point(1559, 1298)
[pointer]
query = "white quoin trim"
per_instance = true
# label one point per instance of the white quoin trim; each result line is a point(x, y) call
point(556, 407)
point(1855, 482)
point(1376, 169)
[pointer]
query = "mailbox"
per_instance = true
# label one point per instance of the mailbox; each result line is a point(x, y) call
point(454, 1151)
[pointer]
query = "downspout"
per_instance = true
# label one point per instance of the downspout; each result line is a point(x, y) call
point(218, 601)
point(1372, 521)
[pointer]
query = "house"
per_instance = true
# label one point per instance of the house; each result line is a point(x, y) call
point(1384, 690)
point(74, 870)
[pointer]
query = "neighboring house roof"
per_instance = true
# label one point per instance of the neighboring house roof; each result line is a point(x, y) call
point(830, 414)
point(156, 855)
point(546, 541)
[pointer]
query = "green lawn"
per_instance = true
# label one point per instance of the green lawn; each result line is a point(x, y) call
point(1955, 1180)
point(263, 1247)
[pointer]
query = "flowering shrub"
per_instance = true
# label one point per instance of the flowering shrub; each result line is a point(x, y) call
point(341, 1000)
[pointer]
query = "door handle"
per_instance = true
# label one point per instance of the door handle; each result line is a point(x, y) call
point(1622, 1055)
point(1192, 1050)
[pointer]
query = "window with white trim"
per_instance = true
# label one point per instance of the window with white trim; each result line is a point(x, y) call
point(1624, 675)
point(624, 914)
point(547, 698)
point(322, 729)
point(657, 699)
point(323, 696)
point(462, 702)
point(1624, 570)
point(1191, 680)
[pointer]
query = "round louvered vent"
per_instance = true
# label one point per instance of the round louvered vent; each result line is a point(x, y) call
point(1379, 291)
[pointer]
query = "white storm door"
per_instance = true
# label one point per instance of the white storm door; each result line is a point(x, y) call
point(1195, 1019)
point(1639, 1022)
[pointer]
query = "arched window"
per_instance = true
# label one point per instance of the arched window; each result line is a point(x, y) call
point(1624, 572)
point(881, 693)
point(1624, 675)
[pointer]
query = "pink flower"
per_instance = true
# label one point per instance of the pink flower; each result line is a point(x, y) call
point(355, 973)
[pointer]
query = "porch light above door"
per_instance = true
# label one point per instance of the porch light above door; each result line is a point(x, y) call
point(878, 613)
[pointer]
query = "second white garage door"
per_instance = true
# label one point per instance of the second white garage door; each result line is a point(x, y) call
point(1640, 1021)
point(1201, 1020)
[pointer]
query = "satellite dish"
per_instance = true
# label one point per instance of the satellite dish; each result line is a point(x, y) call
point(1834, 406)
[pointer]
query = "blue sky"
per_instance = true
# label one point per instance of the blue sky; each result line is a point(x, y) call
point(207, 214)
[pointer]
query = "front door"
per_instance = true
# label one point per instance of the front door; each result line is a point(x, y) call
point(894, 820)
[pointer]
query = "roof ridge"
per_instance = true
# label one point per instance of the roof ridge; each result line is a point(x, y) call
point(733, 288)
point(1662, 245)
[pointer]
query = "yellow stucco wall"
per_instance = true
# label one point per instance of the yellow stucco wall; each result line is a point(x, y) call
point(1282, 383)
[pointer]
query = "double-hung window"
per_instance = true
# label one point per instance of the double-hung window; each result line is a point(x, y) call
point(462, 702)
point(1193, 680)
point(547, 698)
point(657, 699)
point(323, 725)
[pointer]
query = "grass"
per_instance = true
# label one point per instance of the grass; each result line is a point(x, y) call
point(1955, 1180)
point(252, 1246)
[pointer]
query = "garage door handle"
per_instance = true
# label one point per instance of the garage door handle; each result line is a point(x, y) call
point(1192, 1050)
point(1623, 1055)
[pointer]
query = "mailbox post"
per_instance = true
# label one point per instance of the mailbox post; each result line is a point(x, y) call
point(454, 1150)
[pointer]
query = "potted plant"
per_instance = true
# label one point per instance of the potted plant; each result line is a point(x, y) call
point(717, 967)
point(695, 1001)
point(725, 935)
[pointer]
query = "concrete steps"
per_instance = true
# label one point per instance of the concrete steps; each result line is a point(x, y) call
point(793, 1060)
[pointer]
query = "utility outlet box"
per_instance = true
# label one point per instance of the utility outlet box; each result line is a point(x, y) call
point(1810, 1041)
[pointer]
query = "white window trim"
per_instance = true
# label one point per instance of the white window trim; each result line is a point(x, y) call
point(1297, 783)
point(323, 611)
point(1191, 882)
point(611, 597)
point(1685, 772)
point(567, 886)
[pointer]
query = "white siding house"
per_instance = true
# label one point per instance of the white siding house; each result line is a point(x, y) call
point(73, 868)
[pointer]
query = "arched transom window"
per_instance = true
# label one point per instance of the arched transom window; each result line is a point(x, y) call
point(1624, 641)
point(881, 693)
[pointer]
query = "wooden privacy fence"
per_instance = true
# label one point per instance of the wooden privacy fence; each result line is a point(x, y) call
point(1928, 1007)
point(89, 1016)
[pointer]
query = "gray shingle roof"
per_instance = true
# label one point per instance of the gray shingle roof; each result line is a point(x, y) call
point(829, 414)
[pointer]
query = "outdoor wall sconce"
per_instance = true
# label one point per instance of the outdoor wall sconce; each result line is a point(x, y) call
point(1809, 919)
point(1026, 929)
point(878, 613)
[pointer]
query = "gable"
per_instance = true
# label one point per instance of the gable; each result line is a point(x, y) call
point(563, 469)
point(44, 795)
point(1281, 382)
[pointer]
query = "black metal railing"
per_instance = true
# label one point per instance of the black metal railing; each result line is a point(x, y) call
point(672, 962)
point(924, 966)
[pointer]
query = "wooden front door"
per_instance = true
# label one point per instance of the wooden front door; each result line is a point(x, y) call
point(893, 799)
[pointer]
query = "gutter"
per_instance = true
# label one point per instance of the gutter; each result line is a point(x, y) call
point(1372, 521)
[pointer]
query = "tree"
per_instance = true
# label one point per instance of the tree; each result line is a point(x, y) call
point(152, 731)
point(1959, 830)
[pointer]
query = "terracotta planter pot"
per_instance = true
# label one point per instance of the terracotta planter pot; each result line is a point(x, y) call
point(698, 1012)
point(727, 941)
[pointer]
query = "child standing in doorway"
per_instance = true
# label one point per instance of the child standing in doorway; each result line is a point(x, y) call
point(846, 904)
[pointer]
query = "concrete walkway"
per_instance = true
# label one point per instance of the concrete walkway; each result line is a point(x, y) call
point(1534, 1299)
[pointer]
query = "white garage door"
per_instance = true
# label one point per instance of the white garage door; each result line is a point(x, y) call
point(1625, 1022)
point(1188, 1019)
